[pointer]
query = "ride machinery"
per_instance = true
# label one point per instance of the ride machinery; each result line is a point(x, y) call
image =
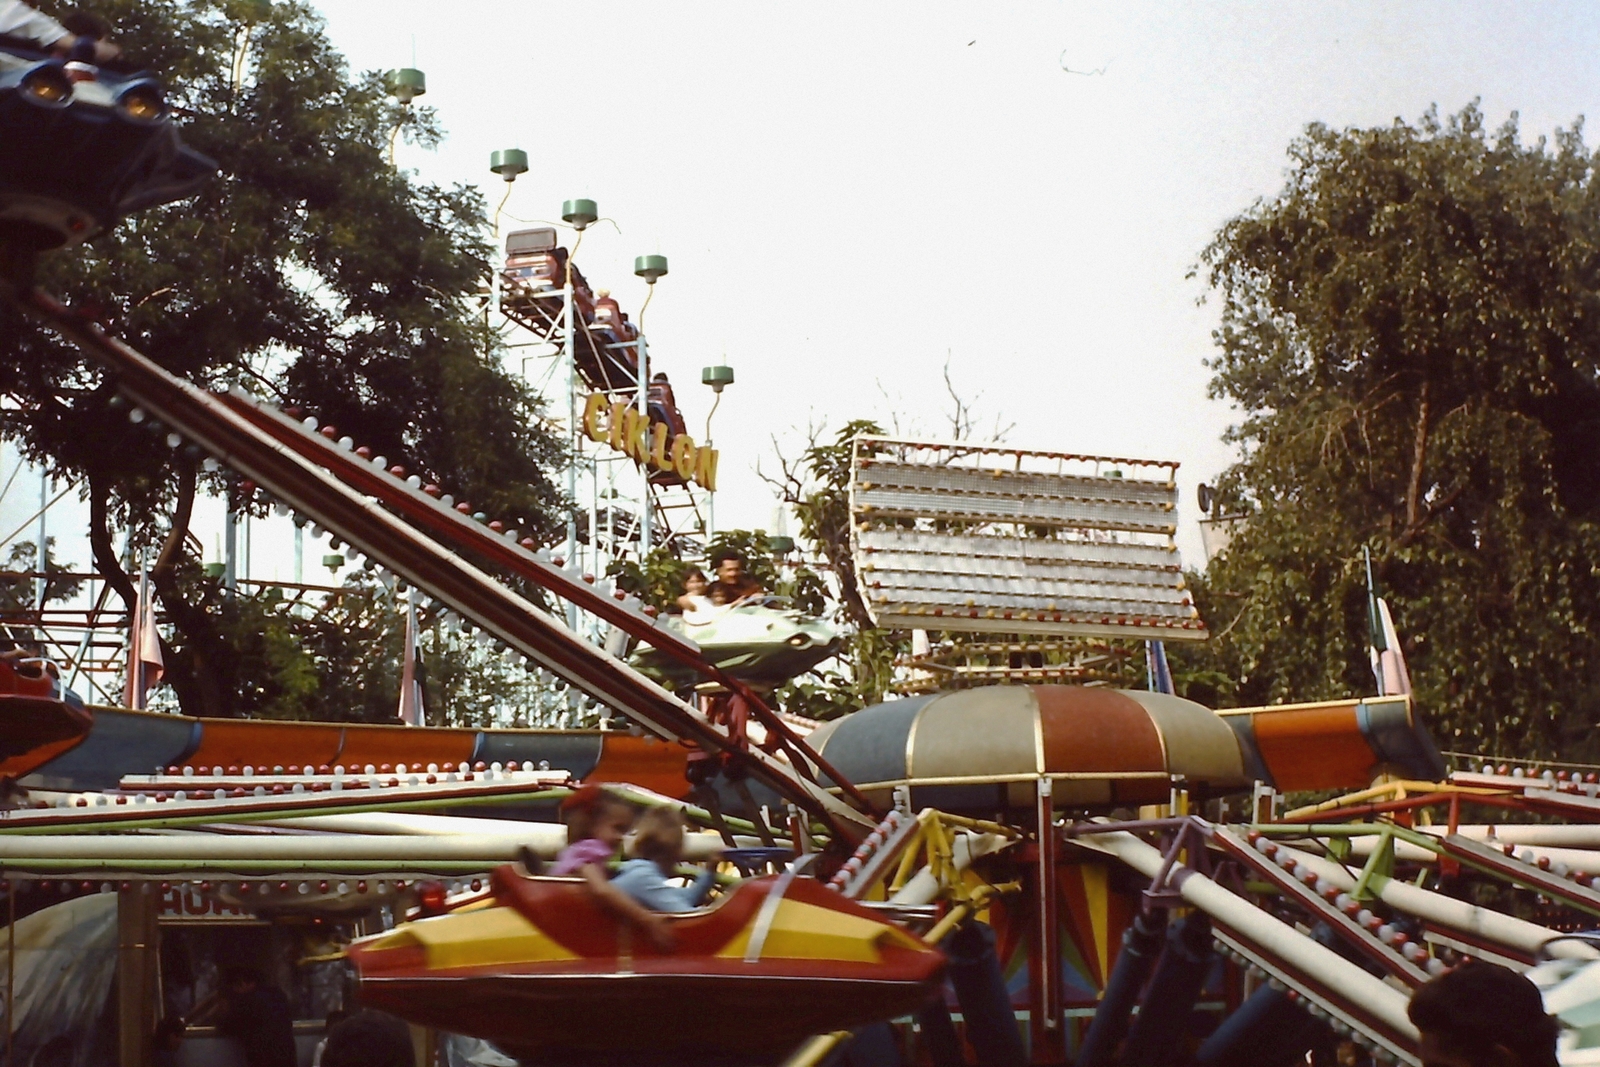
point(1033, 857)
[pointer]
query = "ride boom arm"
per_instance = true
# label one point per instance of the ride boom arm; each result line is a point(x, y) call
point(245, 444)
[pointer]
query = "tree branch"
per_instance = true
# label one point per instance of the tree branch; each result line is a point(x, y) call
point(1419, 453)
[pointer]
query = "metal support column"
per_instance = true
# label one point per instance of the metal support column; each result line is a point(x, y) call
point(41, 556)
point(137, 939)
point(1048, 1040)
point(573, 441)
point(644, 466)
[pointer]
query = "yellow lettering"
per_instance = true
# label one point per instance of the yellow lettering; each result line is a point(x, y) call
point(591, 418)
point(617, 438)
point(683, 454)
point(705, 469)
point(658, 447)
point(636, 435)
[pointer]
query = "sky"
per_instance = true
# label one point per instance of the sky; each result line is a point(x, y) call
point(853, 196)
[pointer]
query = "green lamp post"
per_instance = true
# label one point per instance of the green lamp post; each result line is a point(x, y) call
point(407, 83)
point(580, 214)
point(508, 163)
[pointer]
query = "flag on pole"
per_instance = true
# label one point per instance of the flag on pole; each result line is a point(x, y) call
point(145, 665)
point(412, 712)
point(1390, 664)
point(1388, 661)
point(1158, 675)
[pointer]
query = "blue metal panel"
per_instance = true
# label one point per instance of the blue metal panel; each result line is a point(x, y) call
point(578, 753)
point(1244, 728)
point(870, 745)
point(1398, 737)
point(120, 742)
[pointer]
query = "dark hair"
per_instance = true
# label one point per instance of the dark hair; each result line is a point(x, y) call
point(659, 376)
point(1480, 1005)
point(693, 572)
point(722, 555)
point(369, 1039)
point(334, 1018)
point(86, 24)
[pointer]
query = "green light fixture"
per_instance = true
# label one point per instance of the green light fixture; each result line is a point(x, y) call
point(780, 544)
point(508, 163)
point(580, 214)
point(650, 267)
point(718, 377)
point(407, 83)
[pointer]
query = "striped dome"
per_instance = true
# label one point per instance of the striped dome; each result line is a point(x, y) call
point(982, 750)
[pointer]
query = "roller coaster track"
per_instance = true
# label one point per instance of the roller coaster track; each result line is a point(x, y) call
point(418, 538)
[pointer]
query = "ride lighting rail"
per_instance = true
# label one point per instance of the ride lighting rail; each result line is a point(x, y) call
point(241, 443)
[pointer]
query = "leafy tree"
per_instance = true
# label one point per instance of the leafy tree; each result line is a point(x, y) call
point(309, 269)
point(1411, 332)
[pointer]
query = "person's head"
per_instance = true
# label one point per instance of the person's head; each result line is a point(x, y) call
point(592, 812)
point(334, 1018)
point(369, 1039)
point(694, 583)
point(658, 837)
point(1483, 1015)
point(86, 24)
point(729, 565)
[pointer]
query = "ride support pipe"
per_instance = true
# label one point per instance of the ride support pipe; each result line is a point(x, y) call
point(1386, 1005)
point(1493, 926)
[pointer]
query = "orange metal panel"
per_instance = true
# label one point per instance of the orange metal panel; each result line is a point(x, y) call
point(411, 745)
point(32, 760)
point(1097, 730)
point(647, 762)
point(1314, 748)
point(265, 743)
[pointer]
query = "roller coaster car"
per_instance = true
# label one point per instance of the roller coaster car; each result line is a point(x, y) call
point(537, 271)
point(542, 970)
point(82, 147)
point(765, 642)
point(36, 709)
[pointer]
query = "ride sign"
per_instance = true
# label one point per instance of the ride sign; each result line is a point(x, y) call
point(648, 441)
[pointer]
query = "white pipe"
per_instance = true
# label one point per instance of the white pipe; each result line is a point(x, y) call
point(1491, 926)
point(1575, 858)
point(1386, 1004)
point(923, 887)
point(1566, 835)
point(222, 848)
point(544, 838)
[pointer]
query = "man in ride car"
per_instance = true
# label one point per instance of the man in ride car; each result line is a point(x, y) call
point(733, 585)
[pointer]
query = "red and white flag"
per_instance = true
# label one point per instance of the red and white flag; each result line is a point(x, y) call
point(145, 665)
point(412, 712)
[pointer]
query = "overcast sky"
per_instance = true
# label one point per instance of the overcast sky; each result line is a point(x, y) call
point(852, 193)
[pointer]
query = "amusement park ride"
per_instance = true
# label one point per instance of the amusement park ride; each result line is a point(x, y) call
point(1018, 873)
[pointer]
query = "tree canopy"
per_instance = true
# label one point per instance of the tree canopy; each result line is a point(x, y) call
point(309, 270)
point(1410, 330)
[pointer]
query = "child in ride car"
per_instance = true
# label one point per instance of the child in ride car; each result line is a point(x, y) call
point(597, 821)
point(658, 849)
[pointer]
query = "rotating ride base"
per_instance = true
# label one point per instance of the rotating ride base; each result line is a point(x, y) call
point(541, 969)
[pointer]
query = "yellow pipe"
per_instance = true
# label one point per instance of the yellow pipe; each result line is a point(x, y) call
point(908, 861)
point(817, 1049)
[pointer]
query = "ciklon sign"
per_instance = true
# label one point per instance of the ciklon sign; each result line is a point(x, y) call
point(645, 441)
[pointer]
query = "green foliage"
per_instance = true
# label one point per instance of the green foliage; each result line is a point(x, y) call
point(1411, 330)
point(17, 593)
point(309, 269)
